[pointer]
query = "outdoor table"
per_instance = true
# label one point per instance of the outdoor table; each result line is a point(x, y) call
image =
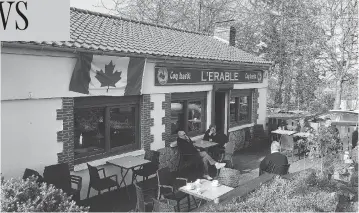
point(208, 192)
point(127, 163)
point(286, 133)
point(204, 144)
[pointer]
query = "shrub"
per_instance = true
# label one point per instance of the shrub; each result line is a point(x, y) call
point(305, 192)
point(354, 155)
point(19, 195)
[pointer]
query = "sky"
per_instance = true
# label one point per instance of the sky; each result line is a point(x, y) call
point(89, 5)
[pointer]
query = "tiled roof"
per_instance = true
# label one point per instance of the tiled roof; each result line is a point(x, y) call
point(101, 32)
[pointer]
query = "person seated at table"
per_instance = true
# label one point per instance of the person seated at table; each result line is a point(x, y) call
point(210, 134)
point(186, 146)
point(216, 136)
point(274, 159)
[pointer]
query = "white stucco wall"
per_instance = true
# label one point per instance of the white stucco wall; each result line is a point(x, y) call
point(41, 74)
point(29, 125)
point(28, 135)
point(262, 109)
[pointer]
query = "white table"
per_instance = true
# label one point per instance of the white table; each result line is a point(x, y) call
point(287, 133)
point(128, 163)
point(202, 144)
point(209, 192)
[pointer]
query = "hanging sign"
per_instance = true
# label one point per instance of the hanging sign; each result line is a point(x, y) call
point(173, 76)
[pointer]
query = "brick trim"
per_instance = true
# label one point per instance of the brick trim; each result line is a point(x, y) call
point(66, 135)
point(255, 106)
point(146, 122)
point(166, 105)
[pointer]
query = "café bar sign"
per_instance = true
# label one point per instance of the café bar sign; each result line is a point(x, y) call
point(172, 76)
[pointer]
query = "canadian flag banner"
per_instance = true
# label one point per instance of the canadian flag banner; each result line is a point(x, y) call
point(98, 72)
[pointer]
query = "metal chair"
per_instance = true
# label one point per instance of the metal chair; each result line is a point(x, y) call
point(163, 205)
point(144, 202)
point(227, 157)
point(59, 175)
point(150, 168)
point(98, 183)
point(229, 177)
point(29, 172)
point(168, 187)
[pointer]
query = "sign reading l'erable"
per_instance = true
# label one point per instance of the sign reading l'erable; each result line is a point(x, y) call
point(172, 76)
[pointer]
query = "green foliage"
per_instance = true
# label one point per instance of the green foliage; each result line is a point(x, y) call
point(19, 195)
point(305, 192)
point(323, 142)
point(354, 154)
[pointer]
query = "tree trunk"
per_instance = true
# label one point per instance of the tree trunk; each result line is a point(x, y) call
point(278, 96)
point(338, 94)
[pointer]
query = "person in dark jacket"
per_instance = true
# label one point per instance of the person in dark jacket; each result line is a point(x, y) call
point(214, 135)
point(210, 134)
point(274, 159)
point(186, 146)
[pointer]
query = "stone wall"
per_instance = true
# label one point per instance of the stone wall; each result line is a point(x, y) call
point(146, 122)
point(169, 157)
point(66, 135)
point(240, 138)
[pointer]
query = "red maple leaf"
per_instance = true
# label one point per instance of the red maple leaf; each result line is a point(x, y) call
point(109, 77)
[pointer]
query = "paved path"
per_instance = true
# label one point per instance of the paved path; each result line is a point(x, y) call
point(248, 163)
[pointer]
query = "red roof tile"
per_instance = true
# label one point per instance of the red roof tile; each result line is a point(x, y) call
point(96, 31)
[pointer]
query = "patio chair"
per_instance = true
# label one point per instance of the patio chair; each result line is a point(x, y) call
point(168, 187)
point(163, 205)
point(29, 172)
point(227, 157)
point(59, 175)
point(229, 177)
point(98, 183)
point(150, 168)
point(144, 202)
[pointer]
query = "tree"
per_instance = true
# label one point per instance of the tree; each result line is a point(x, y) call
point(339, 44)
point(284, 32)
point(193, 15)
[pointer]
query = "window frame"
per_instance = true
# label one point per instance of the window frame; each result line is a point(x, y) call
point(186, 98)
point(108, 103)
point(236, 94)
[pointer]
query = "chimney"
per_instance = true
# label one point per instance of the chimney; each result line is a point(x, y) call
point(226, 34)
point(232, 36)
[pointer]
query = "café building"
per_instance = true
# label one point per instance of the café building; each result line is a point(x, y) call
point(120, 87)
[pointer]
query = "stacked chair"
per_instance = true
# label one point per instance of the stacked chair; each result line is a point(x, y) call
point(168, 186)
point(98, 183)
point(148, 169)
point(59, 175)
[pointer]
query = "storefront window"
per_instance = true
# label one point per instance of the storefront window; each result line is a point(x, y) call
point(177, 116)
point(195, 109)
point(122, 126)
point(240, 107)
point(188, 113)
point(89, 131)
point(106, 130)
